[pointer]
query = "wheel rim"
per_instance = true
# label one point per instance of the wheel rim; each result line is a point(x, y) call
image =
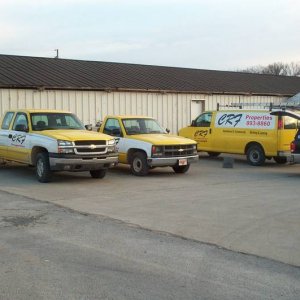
point(40, 168)
point(255, 156)
point(137, 165)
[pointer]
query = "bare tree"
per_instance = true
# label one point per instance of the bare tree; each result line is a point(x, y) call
point(277, 68)
point(293, 69)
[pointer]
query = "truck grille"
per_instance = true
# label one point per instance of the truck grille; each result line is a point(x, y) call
point(179, 150)
point(90, 147)
point(85, 143)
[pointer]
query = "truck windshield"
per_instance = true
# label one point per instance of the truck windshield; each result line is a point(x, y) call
point(142, 126)
point(52, 121)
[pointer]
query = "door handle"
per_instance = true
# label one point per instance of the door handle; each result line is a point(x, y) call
point(209, 130)
point(10, 136)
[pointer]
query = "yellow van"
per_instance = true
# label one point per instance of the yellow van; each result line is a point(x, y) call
point(255, 133)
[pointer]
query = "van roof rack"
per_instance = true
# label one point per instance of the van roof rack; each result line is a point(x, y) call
point(262, 105)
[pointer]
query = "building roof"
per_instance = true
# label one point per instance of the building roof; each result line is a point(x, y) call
point(56, 73)
point(295, 100)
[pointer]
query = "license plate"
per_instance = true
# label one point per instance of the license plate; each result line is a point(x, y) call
point(182, 162)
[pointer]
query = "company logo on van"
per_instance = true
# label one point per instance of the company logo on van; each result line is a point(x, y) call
point(230, 120)
point(251, 120)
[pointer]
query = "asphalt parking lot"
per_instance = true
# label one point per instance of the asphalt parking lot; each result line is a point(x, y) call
point(253, 210)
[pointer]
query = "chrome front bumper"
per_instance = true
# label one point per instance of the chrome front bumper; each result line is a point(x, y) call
point(82, 164)
point(170, 161)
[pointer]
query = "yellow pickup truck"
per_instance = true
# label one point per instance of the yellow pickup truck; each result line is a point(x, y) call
point(54, 141)
point(143, 144)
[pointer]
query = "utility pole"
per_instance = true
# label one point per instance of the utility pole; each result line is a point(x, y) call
point(57, 53)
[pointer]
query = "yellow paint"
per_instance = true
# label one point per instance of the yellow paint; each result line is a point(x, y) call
point(235, 139)
point(122, 157)
point(73, 135)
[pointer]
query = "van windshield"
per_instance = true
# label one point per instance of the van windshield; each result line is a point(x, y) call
point(54, 121)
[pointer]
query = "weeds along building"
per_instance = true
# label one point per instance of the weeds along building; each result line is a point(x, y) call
point(93, 89)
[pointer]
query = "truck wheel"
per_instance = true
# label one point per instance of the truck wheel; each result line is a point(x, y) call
point(213, 154)
point(98, 173)
point(181, 169)
point(139, 165)
point(255, 155)
point(280, 159)
point(42, 167)
point(2, 162)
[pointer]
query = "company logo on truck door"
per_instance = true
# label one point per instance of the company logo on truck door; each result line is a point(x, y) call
point(255, 120)
point(18, 139)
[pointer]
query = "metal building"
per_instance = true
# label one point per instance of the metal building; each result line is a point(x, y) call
point(94, 89)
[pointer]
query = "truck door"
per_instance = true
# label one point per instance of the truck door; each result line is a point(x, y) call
point(18, 143)
point(4, 132)
point(112, 127)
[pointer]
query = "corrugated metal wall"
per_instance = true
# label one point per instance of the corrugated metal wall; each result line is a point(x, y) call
point(173, 110)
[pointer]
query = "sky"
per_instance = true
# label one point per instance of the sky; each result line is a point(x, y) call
point(203, 34)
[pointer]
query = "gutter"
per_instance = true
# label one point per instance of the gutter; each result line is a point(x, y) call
point(116, 89)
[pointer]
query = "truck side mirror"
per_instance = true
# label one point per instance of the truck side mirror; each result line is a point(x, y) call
point(98, 124)
point(193, 123)
point(88, 127)
point(168, 130)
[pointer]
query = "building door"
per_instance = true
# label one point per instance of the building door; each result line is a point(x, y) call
point(197, 107)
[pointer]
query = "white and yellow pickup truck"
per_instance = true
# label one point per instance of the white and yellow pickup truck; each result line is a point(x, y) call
point(54, 141)
point(143, 144)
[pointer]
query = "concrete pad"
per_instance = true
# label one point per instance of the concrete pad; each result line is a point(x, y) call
point(249, 209)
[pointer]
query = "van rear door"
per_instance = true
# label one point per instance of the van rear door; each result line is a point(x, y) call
point(288, 123)
point(287, 129)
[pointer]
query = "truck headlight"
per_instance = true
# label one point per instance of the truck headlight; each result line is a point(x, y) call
point(157, 151)
point(111, 142)
point(194, 147)
point(111, 145)
point(65, 147)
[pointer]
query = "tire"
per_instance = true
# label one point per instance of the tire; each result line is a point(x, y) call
point(139, 165)
point(280, 160)
point(98, 173)
point(213, 154)
point(255, 155)
point(42, 167)
point(181, 169)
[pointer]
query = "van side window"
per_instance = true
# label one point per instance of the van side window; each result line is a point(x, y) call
point(203, 120)
point(7, 120)
point(112, 127)
point(290, 123)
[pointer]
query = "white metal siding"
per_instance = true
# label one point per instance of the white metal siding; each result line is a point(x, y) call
point(173, 110)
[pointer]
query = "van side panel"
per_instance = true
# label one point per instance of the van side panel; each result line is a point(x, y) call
point(234, 130)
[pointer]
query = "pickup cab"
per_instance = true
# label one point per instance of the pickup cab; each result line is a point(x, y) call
point(54, 141)
point(143, 144)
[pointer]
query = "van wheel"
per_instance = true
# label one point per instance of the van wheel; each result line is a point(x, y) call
point(213, 154)
point(181, 169)
point(139, 165)
point(280, 160)
point(255, 155)
point(42, 167)
point(98, 173)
